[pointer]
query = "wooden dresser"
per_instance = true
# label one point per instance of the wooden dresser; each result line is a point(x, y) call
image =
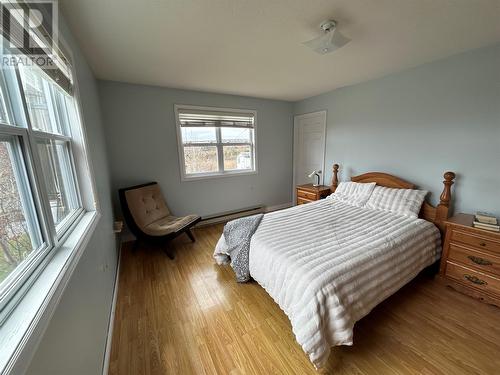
point(471, 259)
point(309, 193)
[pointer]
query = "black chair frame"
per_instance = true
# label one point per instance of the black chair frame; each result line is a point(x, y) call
point(143, 237)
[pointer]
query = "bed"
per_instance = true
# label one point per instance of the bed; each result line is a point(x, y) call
point(328, 263)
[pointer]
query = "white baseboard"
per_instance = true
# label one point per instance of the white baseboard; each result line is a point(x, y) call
point(111, 324)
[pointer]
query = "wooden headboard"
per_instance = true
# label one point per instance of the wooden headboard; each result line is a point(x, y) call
point(436, 215)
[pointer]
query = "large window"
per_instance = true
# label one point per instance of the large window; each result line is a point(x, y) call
point(39, 189)
point(215, 142)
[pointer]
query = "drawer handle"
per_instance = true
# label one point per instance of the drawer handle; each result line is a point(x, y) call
point(475, 280)
point(482, 244)
point(480, 261)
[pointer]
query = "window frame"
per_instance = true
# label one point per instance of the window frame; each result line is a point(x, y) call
point(19, 127)
point(34, 135)
point(219, 144)
point(14, 281)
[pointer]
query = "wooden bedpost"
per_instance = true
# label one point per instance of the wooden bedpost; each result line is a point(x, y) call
point(335, 178)
point(444, 203)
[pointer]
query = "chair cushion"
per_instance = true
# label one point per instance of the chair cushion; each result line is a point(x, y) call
point(169, 224)
point(146, 205)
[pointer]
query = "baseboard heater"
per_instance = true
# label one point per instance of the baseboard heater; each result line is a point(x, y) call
point(230, 215)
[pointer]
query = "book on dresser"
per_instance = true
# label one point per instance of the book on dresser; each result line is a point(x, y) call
point(486, 221)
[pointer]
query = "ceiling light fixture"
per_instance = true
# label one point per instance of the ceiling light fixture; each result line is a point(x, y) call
point(330, 41)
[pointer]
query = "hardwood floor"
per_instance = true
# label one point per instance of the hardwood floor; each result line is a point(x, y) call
point(189, 316)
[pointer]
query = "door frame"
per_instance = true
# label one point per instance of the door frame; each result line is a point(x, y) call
point(296, 118)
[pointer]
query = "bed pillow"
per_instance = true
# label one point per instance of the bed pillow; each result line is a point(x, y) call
point(405, 202)
point(354, 193)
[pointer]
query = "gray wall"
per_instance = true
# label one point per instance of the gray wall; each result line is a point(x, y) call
point(421, 122)
point(74, 342)
point(142, 146)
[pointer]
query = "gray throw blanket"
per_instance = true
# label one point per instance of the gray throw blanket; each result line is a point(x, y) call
point(237, 234)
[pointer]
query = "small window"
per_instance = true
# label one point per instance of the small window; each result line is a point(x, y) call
point(215, 142)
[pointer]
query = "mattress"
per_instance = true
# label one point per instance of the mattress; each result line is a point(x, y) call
point(327, 264)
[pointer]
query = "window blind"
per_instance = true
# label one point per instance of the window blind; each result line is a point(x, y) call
point(36, 41)
point(197, 118)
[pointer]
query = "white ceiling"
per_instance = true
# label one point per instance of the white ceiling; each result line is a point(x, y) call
point(254, 47)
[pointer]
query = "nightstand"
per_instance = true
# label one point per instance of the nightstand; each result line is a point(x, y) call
point(470, 262)
point(309, 193)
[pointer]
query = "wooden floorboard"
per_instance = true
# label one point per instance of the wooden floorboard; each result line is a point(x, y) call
point(189, 316)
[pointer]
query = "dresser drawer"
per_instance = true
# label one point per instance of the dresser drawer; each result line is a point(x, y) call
point(474, 259)
point(306, 194)
point(303, 200)
point(477, 241)
point(472, 278)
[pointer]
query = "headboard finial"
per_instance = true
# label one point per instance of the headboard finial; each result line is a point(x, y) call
point(446, 194)
point(335, 178)
point(443, 208)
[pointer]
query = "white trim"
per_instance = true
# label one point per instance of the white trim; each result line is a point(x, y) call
point(32, 271)
point(13, 130)
point(82, 160)
point(295, 146)
point(56, 275)
point(204, 176)
point(201, 176)
point(38, 134)
point(111, 323)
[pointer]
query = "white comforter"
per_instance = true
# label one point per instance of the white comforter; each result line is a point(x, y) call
point(327, 264)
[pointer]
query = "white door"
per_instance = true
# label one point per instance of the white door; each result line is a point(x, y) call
point(309, 147)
